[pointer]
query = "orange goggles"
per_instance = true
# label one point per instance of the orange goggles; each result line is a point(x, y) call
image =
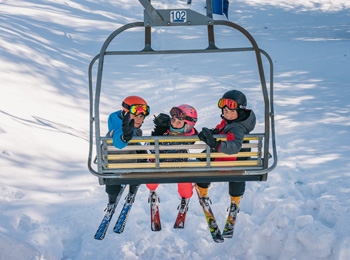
point(231, 104)
point(139, 109)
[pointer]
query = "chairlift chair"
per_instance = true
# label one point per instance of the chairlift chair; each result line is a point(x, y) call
point(154, 170)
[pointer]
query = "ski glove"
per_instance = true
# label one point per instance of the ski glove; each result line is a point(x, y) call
point(161, 123)
point(128, 128)
point(207, 136)
point(214, 131)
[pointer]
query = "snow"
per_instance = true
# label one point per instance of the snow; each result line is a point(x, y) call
point(51, 205)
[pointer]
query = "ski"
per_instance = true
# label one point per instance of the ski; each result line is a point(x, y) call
point(181, 216)
point(155, 218)
point(231, 221)
point(129, 201)
point(213, 226)
point(102, 229)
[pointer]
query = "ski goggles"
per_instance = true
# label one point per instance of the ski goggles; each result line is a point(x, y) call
point(178, 113)
point(139, 109)
point(231, 104)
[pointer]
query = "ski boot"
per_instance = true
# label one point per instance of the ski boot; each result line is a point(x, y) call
point(181, 216)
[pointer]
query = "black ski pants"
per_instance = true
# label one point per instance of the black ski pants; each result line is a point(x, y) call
point(235, 189)
point(113, 190)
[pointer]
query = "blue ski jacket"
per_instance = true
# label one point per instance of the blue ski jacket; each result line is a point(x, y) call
point(115, 129)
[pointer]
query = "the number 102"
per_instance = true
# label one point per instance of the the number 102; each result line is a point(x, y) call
point(178, 16)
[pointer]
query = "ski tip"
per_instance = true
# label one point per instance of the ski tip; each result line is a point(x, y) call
point(157, 228)
point(178, 227)
point(98, 237)
point(227, 234)
point(118, 229)
point(101, 233)
point(219, 239)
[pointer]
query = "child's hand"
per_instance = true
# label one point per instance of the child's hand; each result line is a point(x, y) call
point(161, 123)
point(128, 128)
point(162, 120)
point(207, 136)
point(214, 131)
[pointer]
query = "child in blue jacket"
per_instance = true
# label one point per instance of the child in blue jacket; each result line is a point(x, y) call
point(122, 126)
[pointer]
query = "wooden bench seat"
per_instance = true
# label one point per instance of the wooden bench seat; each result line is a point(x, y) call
point(199, 164)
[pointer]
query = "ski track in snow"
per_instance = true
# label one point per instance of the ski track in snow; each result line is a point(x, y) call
point(51, 206)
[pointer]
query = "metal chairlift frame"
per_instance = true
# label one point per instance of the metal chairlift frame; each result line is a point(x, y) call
point(159, 18)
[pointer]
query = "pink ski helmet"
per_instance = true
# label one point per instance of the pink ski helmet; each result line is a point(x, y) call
point(185, 112)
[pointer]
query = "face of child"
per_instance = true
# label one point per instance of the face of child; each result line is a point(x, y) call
point(138, 120)
point(177, 123)
point(230, 114)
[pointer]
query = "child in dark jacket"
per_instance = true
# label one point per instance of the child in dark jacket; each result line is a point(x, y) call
point(182, 121)
point(236, 122)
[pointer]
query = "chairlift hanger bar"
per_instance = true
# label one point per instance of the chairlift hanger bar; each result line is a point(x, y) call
point(176, 17)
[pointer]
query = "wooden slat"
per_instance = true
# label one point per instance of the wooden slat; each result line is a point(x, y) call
point(181, 164)
point(179, 140)
point(178, 155)
point(171, 147)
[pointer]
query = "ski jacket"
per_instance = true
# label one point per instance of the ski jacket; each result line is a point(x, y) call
point(235, 131)
point(115, 131)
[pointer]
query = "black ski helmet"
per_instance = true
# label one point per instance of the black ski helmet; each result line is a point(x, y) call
point(237, 96)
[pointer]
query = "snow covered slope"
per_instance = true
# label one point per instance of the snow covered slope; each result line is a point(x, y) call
point(51, 205)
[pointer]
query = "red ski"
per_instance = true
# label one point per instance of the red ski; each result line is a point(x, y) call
point(155, 219)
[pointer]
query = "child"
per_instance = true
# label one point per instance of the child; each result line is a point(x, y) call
point(122, 126)
point(236, 122)
point(182, 121)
